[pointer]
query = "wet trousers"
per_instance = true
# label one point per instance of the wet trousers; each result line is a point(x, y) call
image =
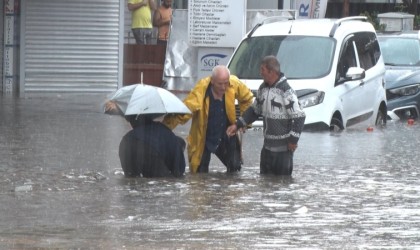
point(277, 163)
point(228, 152)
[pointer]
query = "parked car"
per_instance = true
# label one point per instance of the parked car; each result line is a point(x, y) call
point(401, 52)
point(334, 65)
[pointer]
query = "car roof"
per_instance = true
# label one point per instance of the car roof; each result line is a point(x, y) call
point(313, 27)
point(405, 33)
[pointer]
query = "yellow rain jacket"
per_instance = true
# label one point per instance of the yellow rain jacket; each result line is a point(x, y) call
point(198, 103)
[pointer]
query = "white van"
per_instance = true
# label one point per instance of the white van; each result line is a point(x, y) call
point(334, 65)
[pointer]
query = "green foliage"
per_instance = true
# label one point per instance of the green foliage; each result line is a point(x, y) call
point(401, 7)
point(416, 23)
point(374, 20)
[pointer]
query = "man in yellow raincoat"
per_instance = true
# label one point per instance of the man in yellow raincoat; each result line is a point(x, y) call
point(212, 104)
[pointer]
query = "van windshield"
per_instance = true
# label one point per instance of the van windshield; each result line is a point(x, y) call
point(300, 56)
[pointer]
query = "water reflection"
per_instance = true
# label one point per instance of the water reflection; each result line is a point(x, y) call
point(61, 186)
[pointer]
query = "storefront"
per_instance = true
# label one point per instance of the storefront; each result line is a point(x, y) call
point(65, 46)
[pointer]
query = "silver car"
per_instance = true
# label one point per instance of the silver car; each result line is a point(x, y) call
point(401, 52)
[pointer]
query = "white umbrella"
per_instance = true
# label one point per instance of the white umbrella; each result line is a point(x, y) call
point(138, 99)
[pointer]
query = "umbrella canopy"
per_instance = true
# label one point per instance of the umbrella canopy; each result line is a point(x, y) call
point(139, 99)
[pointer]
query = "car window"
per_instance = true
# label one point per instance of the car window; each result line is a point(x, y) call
point(367, 49)
point(400, 51)
point(347, 58)
point(301, 57)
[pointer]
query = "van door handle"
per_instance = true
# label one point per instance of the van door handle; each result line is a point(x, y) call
point(362, 83)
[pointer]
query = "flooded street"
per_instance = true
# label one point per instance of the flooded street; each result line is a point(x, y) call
point(61, 186)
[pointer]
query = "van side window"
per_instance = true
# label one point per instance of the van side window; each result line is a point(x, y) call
point(347, 59)
point(367, 49)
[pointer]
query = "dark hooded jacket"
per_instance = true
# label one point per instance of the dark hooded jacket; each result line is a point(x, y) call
point(151, 149)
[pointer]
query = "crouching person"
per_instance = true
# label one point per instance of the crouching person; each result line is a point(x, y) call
point(151, 149)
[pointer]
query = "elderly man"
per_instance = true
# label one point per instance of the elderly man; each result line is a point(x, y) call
point(212, 103)
point(283, 120)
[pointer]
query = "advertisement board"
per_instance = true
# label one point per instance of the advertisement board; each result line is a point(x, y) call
point(311, 8)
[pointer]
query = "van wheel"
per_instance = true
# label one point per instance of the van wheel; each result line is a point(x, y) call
point(336, 125)
point(380, 119)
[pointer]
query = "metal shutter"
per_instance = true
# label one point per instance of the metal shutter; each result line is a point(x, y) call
point(70, 45)
point(1, 45)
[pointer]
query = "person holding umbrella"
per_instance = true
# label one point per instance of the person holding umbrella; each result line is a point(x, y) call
point(150, 149)
point(212, 106)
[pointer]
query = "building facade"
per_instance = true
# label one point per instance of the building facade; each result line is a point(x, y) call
point(70, 46)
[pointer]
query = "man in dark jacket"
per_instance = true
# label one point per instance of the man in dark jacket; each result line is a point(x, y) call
point(283, 118)
point(150, 149)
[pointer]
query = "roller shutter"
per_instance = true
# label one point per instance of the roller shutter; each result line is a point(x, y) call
point(70, 45)
point(1, 44)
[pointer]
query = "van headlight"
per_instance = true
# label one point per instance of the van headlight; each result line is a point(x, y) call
point(407, 90)
point(311, 99)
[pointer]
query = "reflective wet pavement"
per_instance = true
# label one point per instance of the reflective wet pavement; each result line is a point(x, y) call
point(61, 186)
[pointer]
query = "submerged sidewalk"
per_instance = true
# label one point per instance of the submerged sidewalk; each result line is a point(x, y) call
point(59, 131)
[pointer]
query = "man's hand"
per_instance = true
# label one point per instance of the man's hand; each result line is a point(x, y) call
point(231, 130)
point(291, 147)
point(111, 108)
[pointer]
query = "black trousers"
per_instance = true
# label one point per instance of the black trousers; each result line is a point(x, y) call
point(277, 163)
point(228, 152)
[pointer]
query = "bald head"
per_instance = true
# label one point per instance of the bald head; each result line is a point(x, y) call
point(220, 80)
point(220, 72)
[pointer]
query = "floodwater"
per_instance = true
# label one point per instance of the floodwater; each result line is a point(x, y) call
point(61, 187)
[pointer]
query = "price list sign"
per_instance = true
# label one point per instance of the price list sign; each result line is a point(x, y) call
point(216, 23)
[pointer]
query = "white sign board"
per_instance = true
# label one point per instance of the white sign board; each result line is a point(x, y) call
point(216, 23)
